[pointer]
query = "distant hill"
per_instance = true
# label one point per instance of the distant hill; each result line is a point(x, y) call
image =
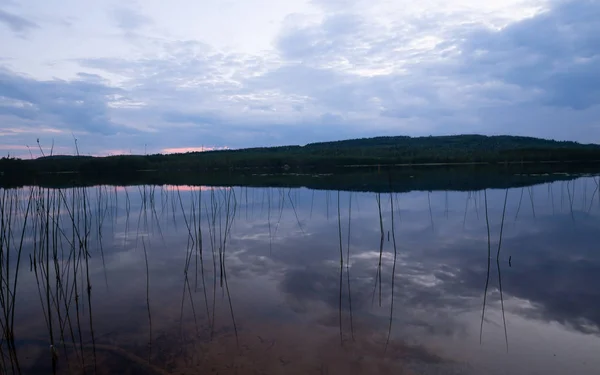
point(400, 144)
point(474, 141)
point(325, 156)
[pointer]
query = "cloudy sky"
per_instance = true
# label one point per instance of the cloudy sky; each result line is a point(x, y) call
point(162, 76)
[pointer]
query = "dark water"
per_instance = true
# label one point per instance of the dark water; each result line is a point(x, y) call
point(187, 280)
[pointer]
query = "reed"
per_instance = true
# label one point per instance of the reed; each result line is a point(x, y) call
point(489, 256)
point(393, 272)
point(341, 265)
point(571, 200)
point(148, 301)
point(381, 240)
point(348, 265)
point(499, 270)
point(186, 284)
point(519, 205)
point(530, 189)
point(9, 201)
point(295, 212)
point(430, 211)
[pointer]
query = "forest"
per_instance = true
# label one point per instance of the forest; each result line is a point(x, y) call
point(315, 157)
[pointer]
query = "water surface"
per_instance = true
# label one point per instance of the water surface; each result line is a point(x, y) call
point(181, 279)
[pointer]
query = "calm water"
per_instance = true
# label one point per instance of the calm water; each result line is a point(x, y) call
point(184, 280)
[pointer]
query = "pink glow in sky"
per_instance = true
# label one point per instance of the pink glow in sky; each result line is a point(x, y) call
point(179, 150)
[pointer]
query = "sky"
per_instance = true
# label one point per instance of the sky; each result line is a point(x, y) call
point(153, 76)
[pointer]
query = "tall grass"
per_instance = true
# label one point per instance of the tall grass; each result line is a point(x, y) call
point(63, 229)
point(8, 297)
point(56, 228)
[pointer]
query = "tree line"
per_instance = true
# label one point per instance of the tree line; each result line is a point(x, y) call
point(324, 156)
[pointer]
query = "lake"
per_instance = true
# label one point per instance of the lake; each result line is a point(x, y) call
point(275, 280)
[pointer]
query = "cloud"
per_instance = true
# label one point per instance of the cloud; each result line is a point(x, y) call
point(445, 76)
point(520, 67)
point(19, 25)
point(95, 78)
point(555, 53)
point(71, 106)
point(196, 118)
point(129, 20)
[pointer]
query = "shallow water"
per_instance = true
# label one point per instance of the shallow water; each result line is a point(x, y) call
point(273, 280)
